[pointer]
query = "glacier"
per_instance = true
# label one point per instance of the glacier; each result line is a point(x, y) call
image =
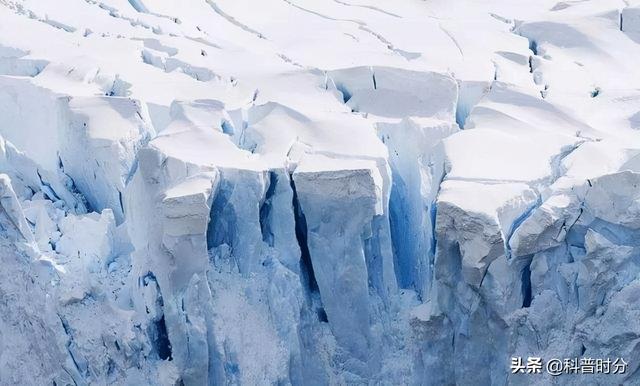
point(298, 192)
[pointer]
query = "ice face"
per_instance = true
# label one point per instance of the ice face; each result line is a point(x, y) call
point(288, 192)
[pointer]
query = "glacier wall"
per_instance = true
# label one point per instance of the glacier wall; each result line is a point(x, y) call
point(369, 193)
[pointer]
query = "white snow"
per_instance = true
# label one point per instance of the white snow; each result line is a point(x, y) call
point(317, 192)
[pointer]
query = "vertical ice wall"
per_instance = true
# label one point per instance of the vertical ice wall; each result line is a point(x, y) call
point(406, 193)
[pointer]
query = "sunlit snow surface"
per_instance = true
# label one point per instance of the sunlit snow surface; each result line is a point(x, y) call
point(317, 192)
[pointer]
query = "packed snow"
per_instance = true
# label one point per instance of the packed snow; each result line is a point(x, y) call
point(317, 192)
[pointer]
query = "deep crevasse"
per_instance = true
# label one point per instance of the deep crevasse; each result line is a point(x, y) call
point(174, 213)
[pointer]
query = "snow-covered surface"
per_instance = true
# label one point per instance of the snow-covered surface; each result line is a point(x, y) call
point(317, 192)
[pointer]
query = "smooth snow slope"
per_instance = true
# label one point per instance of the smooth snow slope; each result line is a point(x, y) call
point(309, 192)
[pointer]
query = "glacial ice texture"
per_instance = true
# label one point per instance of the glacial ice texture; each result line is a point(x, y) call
point(297, 192)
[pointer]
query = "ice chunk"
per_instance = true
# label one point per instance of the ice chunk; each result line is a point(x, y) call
point(339, 207)
point(480, 227)
point(391, 92)
point(616, 198)
point(12, 217)
point(101, 141)
point(547, 226)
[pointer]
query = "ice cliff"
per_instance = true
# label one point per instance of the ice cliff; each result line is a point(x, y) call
point(302, 192)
